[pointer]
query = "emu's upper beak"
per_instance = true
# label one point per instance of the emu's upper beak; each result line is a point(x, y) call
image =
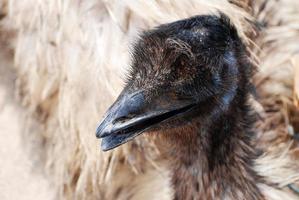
point(131, 115)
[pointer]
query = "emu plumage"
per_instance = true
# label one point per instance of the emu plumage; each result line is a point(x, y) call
point(189, 87)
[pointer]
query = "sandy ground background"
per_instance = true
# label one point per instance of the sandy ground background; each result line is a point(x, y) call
point(21, 177)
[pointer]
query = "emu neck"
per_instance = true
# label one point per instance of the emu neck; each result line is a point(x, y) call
point(211, 158)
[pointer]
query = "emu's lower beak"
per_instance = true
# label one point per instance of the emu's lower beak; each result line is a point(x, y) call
point(131, 115)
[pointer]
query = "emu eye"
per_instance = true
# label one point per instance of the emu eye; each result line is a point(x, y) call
point(180, 61)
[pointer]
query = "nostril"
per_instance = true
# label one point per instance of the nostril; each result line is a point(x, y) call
point(124, 118)
point(121, 119)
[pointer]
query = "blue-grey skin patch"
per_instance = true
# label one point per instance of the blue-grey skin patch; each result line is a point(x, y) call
point(233, 71)
point(228, 97)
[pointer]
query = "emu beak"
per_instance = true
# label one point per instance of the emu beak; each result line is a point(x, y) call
point(131, 115)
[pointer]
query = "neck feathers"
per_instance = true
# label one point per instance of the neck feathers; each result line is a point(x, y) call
point(211, 157)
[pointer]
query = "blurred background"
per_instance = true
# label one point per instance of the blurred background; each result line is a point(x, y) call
point(62, 63)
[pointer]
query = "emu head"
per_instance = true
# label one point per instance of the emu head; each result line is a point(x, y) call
point(179, 71)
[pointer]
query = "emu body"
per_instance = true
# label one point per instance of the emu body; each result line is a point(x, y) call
point(188, 89)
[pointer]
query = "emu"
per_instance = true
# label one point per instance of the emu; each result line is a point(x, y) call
point(188, 91)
